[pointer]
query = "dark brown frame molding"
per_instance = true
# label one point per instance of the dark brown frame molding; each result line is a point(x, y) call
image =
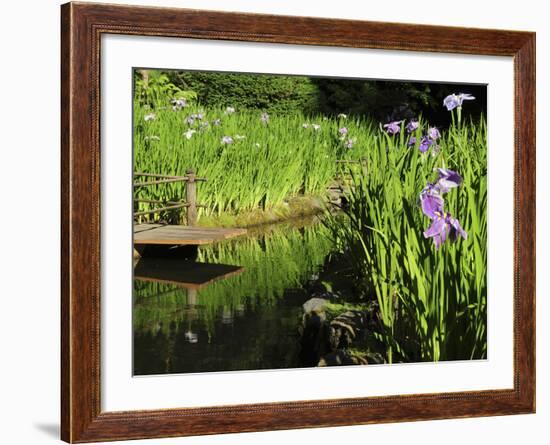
point(82, 25)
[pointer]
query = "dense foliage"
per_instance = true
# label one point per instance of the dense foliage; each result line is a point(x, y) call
point(432, 300)
point(274, 94)
point(376, 99)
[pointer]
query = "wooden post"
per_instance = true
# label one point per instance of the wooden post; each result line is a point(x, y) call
point(191, 197)
point(192, 297)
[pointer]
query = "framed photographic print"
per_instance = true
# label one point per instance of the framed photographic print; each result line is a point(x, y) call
point(277, 222)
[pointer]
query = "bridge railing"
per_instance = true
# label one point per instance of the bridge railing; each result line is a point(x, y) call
point(142, 179)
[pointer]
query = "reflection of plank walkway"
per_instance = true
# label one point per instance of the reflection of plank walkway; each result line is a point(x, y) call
point(188, 274)
point(181, 235)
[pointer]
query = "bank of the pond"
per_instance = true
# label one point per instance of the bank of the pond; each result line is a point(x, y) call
point(291, 209)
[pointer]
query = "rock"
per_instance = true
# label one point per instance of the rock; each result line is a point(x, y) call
point(323, 342)
point(346, 327)
point(341, 357)
point(315, 305)
point(375, 358)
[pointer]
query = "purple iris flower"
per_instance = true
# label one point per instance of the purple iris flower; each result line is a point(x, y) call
point(216, 122)
point(412, 126)
point(451, 102)
point(393, 127)
point(448, 179)
point(227, 140)
point(349, 143)
point(190, 120)
point(455, 100)
point(443, 226)
point(178, 104)
point(430, 189)
point(343, 131)
point(425, 144)
point(465, 96)
point(434, 133)
point(431, 202)
point(412, 140)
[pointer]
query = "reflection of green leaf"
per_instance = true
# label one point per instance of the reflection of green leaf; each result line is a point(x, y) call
point(283, 259)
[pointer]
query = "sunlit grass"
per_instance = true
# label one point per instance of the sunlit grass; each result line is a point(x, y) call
point(265, 164)
point(432, 301)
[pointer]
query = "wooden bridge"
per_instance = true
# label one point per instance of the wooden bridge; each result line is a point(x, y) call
point(156, 238)
point(163, 234)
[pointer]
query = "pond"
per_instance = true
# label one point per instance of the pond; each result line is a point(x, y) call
point(247, 319)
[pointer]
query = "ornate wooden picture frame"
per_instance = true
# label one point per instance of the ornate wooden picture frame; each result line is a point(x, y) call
point(82, 25)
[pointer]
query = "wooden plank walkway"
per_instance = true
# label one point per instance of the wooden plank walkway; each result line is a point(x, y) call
point(187, 274)
point(161, 234)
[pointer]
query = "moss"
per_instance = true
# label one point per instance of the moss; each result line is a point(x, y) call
point(295, 207)
point(335, 309)
point(359, 350)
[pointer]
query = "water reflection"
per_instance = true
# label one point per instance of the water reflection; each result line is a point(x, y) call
point(239, 307)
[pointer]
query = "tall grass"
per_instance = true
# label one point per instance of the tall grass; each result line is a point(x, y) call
point(267, 163)
point(432, 301)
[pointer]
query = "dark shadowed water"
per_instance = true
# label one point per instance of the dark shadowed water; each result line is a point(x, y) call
point(246, 338)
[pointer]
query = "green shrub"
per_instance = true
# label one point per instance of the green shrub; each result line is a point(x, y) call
point(275, 94)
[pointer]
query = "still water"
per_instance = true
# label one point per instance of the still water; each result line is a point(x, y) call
point(238, 308)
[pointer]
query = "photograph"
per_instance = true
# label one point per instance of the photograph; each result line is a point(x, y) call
point(275, 222)
point(292, 221)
